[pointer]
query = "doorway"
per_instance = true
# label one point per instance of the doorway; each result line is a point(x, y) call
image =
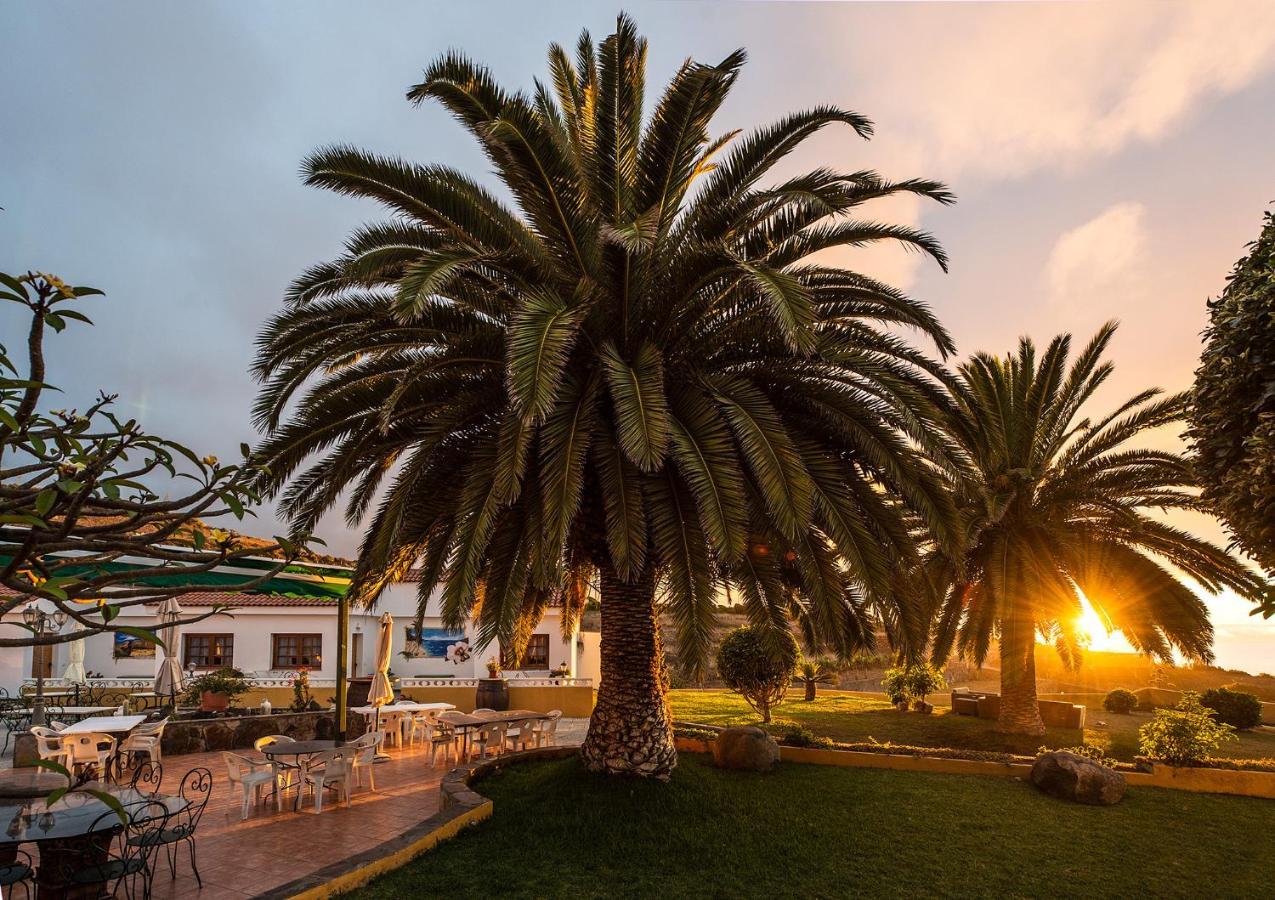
point(42, 661)
point(356, 653)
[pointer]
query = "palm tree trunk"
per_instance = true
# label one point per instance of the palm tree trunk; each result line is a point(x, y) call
point(810, 691)
point(1019, 712)
point(631, 729)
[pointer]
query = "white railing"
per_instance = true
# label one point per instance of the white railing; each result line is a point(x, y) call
point(277, 679)
point(420, 681)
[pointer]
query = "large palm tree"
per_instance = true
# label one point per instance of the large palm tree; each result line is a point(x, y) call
point(1055, 504)
point(636, 377)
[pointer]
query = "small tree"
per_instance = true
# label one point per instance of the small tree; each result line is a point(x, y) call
point(78, 500)
point(758, 665)
point(911, 684)
point(1233, 405)
point(1185, 735)
point(811, 673)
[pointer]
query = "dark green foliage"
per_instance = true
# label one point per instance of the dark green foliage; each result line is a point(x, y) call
point(639, 364)
point(1235, 708)
point(1233, 406)
point(1120, 701)
point(758, 665)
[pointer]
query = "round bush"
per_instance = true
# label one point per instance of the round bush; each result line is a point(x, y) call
point(1120, 701)
point(757, 664)
point(1233, 707)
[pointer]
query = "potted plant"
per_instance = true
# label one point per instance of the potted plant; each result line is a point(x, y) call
point(894, 683)
point(215, 690)
point(493, 668)
point(923, 679)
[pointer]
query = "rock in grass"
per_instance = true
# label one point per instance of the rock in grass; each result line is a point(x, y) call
point(745, 747)
point(1070, 777)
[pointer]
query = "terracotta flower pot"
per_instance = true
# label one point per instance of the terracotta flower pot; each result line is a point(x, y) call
point(210, 702)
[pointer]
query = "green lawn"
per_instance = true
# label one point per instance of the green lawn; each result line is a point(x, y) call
point(846, 718)
point(828, 832)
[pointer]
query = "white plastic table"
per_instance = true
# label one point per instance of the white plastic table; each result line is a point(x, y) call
point(398, 708)
point(121, 725)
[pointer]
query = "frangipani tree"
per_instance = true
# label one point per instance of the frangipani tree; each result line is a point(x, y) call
point(639, 375)
point(1055, 502)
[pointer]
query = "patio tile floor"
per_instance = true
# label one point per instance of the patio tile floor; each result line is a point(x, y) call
point(243, 858)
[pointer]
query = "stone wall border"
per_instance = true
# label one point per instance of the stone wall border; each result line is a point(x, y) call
point(1237, 782)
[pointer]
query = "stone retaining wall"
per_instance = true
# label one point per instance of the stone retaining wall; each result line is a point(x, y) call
point(238, 733)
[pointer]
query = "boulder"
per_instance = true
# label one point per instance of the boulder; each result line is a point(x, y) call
point(1070, 777)
point(745, 747)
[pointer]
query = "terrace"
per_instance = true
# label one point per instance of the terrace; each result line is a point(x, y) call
point(269, 850)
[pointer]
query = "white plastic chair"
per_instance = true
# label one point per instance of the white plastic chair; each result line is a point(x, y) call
point(365, 749)
point(89, 750)
point(525, 735)
point(440, 734)
point(251, 775)
point(145, 739)
point(491, 735)
point(548, 728)
point(48, 743)
point(282, 771)
point(58, 726)
point(334, 769)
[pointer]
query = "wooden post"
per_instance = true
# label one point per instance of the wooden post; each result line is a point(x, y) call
point(342, 660)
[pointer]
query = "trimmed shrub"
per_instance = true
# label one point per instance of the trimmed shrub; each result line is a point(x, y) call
point(1120, 701)
point(757, 664)
point(1235, 708)
point(912, 683)
point(1185, 735)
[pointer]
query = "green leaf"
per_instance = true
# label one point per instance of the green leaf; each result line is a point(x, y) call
point(53, 766)
point(539, 344)
point(44, 501)
point(111, 801)
point(77, 316)
point(54, 321)
point(7, 420)
point(790, 305)
point(641, 408)
point(14, 285)
point(706, 456)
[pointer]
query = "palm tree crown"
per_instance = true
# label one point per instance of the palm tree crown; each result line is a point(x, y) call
point(638, 370)
point(1053, 502)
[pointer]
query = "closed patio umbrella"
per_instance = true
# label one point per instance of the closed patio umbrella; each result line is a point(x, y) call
point(169, 679)
point(381, 691)
point(74, 673)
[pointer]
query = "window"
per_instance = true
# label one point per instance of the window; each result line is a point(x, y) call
point(536, 656)
point(292, 651)
point(208, 651)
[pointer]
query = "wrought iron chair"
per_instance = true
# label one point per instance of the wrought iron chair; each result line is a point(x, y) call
point(17, 871)
point(196, 788)
point(147, 777)
point(117, 852)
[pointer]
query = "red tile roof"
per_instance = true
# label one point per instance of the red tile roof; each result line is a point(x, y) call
point(231, 598)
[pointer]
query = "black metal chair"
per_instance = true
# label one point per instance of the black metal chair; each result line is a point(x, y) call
point(18, 871)
point(114, 852)
point(14, 718)
point(196, 788)
point(147, 777)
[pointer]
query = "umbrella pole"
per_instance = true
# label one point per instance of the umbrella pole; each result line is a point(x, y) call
point(380, 757)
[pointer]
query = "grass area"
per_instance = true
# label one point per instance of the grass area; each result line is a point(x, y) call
point(828, 832)
point(847, 718)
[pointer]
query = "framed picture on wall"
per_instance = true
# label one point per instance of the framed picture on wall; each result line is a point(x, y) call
point(430, 642)
point(128, 646)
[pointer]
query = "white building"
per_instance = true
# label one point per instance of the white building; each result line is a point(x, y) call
point(295, 626)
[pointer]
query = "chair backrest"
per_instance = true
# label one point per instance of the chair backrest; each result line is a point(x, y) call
point(196, 788)
point(272, 739)
point(401, 700)
point(483, 709)
point(83, 748)
point(366, 746)
point(58, 726)
point(338, 760)
point(236, 766)
point(550, 725)
point(151, 729)
point(46, 734)
point(492, 733)
point(148, 777)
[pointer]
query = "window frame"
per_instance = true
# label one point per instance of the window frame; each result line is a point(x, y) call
point(524, 664)
point(301, 636)
point(212, 637)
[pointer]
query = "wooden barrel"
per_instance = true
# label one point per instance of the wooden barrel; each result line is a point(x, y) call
point(493, 693)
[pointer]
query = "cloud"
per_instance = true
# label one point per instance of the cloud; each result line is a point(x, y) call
point(1099, 261)
point(1025, 87)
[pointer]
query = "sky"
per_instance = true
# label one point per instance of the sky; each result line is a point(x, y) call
point(1110, 161)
